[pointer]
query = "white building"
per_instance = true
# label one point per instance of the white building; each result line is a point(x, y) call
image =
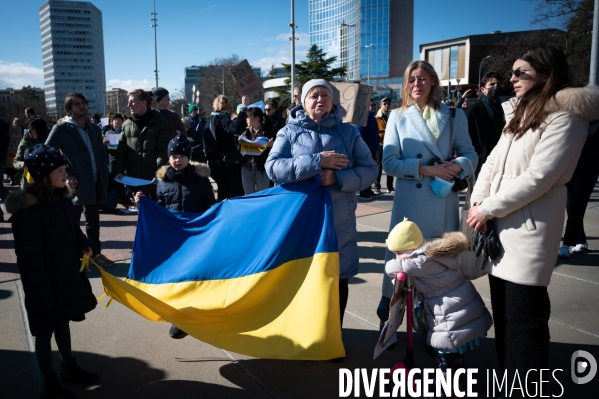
point(73, 54)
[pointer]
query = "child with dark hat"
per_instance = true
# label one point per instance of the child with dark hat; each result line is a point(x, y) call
point(49, 245)
point(182, 186)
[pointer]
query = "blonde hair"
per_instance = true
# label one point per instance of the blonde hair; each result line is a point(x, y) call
point(186, 123)
point(436, 94)
point(220, 102)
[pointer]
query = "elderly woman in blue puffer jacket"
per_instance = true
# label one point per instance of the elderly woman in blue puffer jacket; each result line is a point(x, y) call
point(315, 142)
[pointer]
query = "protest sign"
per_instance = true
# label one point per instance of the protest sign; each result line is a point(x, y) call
point(353, 100)
point(246, 81)
point(255, 147)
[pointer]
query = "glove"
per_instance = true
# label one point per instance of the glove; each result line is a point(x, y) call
point(479, 243)
point(492, 244)
point(489, 242)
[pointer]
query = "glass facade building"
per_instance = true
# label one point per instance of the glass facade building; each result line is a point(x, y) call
point(73, 54)
point(334, 26)
point(373, 38)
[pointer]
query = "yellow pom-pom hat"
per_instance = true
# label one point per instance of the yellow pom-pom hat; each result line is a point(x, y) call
point(405, 235)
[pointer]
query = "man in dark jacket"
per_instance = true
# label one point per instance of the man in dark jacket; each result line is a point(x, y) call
point(382, 116)
point(198, 124)
point(277, 120)
point(81, 142)
point(142, 148)
point(485, 118)
point(163, 100)
point(370, 135)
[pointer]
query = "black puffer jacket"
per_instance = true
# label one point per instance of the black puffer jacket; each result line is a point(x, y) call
point(188, 190)
point(49, 245)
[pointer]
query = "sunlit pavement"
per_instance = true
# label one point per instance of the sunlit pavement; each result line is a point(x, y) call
point(137, 359)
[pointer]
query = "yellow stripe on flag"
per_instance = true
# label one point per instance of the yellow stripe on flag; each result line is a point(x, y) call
point(278, 314)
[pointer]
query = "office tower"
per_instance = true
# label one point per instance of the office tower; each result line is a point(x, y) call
point(372, 38)
point(334, 26)
point(73, 54)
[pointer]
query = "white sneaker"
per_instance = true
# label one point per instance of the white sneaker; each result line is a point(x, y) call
point(564, 252)
point(580, 248)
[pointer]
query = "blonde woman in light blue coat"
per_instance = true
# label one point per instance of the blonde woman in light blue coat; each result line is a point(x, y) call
point(421, 132)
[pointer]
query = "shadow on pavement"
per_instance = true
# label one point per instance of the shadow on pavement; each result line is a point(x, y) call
point(122, 377)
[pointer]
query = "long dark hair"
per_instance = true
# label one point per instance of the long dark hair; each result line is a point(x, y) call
point(43, 191)
point(41, 129)
point(547, 59)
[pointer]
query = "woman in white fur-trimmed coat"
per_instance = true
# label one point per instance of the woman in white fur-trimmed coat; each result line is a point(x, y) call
point(521, 187)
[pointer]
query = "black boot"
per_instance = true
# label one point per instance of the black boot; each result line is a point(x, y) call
point(71, 372)
point(52, 389)
point(176, 333)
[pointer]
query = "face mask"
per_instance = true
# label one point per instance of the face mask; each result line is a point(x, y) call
point(441, 187)
point(492, 93)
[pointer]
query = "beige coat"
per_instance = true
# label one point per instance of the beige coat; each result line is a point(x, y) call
point(522, 188)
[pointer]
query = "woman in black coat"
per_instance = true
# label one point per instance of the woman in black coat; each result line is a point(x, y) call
point(221, 136)
point(49, 245)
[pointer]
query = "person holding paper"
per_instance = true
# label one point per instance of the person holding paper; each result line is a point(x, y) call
point(142, 148)
point(253, 174)
point(317, 144)
point(221, 137)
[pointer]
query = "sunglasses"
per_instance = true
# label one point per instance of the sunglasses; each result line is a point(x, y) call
point(268, 109)
point(519, 72)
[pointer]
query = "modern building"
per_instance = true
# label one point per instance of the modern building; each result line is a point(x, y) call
point(73, 54)
point(458, 61)
point(372, 38)
point(275, 82)
point(10, 96)
point(334, 26)
point(117, 100)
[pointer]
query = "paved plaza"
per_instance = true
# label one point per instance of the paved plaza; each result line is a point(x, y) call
point(137, 359)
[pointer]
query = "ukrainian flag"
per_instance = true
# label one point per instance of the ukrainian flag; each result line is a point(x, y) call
point(257, 275)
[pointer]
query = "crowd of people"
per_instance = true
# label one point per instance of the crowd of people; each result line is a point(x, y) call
point(524, 152)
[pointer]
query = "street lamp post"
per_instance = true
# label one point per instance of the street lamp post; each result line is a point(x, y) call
point(369, 47)
point(293, 39)
point(154, 25)
point(346, 25)
point(479, 66)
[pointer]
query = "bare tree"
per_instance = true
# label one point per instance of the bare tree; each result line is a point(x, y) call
point(15, 108)
point(210, 83)
point(575, 18)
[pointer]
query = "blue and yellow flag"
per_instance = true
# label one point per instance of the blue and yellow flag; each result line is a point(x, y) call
point(257, 275)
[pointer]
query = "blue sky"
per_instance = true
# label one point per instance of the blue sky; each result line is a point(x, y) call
point(196, 32)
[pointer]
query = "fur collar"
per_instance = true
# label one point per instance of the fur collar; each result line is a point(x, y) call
point(580, 101)
point(201, 169)
point(19, 200)
point(448, 246)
